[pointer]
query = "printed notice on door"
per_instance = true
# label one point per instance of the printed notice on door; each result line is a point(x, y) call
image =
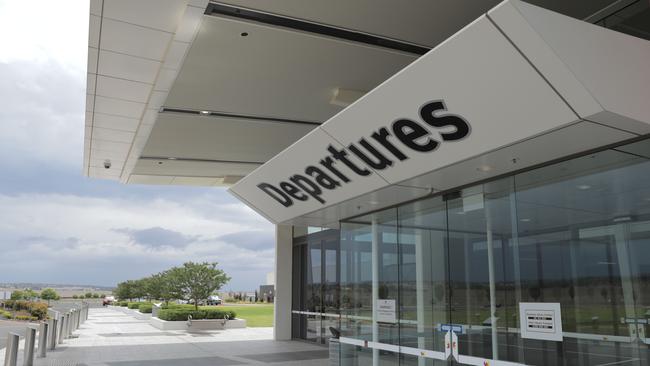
point(386, 312)
point(540, 320)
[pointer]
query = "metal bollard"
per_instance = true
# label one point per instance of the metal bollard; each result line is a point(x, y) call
point(54, 323)
point(11, 352)
point(61, 329)
point(30, 340)
point(68, 323)
point(43, 331)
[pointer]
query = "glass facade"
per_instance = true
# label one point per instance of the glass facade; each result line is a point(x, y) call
point(575, 233)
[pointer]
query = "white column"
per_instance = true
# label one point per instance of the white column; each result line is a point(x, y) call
point(283, 264)
point(376, 237)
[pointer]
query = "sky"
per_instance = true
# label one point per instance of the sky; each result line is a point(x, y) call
point(57, 226)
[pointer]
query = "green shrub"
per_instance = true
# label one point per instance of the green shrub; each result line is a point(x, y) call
point(38, 310)
point(6, 314)
point(26, 317)
point(133, 305)
point(145, 308)
point(182, 314)
point(122, 303)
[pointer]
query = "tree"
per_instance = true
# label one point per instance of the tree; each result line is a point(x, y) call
point(49, 294)
point(197, 281)
point(88, 295)
point(124, 290)
point(29, 294)
point(17, 295)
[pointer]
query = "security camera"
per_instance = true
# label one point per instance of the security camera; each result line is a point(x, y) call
point(107, 164)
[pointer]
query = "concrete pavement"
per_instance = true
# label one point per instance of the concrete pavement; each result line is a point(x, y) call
point(112, 338)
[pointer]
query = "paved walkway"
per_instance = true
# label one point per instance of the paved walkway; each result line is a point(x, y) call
point(112, 338)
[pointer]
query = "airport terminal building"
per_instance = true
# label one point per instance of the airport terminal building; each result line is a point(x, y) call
point(453, 183)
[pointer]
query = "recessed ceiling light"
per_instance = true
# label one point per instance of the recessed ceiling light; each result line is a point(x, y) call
point(460, 212)
point(171, 158)
point(373, 202)
point(484, 168)
point(583, 187)
point(525, 220)
point(205, 112)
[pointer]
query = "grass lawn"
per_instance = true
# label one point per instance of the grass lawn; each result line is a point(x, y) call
point(255, 315)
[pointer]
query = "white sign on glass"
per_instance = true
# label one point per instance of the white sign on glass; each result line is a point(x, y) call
point(541, 320)
point(386, 311)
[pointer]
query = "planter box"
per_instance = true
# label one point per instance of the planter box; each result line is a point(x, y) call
point(203, 324)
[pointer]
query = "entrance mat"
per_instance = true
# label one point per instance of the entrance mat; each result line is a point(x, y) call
point(288, 356)
point(197, 361)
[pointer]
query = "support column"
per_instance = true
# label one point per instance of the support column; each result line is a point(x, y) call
point(283, 274)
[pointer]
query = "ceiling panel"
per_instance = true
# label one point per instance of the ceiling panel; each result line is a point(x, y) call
point(118, 107)
point(158, 14)
point(220, 138)
point(112, 135)
point(123, 89)
point(127, 67)
point(422, 22)
point(133, 39)
point(191, 168)
point(275, 72)
point(115, 122)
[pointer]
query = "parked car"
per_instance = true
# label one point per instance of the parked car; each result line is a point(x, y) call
point(108, 300)
point(214, 300)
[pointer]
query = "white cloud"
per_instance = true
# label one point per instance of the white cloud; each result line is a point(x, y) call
point(45, 31)
point(68, 234)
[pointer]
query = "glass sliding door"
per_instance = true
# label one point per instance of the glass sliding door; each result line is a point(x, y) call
point(575, 233)
point(423, 289)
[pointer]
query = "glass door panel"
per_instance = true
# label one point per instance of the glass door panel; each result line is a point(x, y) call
point(424, 302)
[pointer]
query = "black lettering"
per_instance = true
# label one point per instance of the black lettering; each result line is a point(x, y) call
point(328, 163)
point(276, 194)
point(382, 137)
point(293, 191)
point(381, 163)
point(308, 186)
point(462, 127)
point(321, 178)
point(408, 132)
point(341, 156)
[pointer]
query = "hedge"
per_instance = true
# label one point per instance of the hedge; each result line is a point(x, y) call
point(122, 303)
point(182, 314)
point(6, 314)
point(145, 308)
point(26, 317)
point(136, 305)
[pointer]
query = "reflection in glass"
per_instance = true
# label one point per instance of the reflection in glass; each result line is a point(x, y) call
point(575, 233)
